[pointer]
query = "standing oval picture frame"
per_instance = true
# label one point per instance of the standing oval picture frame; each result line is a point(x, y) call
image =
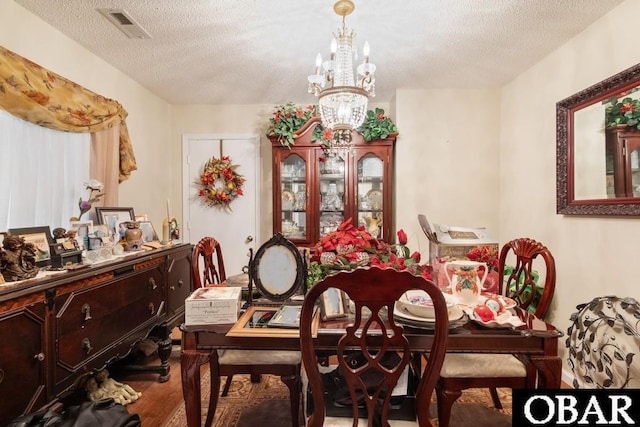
point(277, 269)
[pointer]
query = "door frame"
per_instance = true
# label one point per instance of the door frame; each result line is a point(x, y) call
point(186, 138)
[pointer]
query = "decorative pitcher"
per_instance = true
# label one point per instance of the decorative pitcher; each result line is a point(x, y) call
point(464, 279)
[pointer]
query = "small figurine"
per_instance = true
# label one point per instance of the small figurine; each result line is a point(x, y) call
point(17, 259)
point(59, 233)
point(174, 229)
point(121, 393)
point(94, 392)
point(71, 239)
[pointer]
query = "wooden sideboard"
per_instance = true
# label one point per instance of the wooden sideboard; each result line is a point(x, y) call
point(59, 328)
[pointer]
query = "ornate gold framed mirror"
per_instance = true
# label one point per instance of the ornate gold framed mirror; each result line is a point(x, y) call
point(597, 162)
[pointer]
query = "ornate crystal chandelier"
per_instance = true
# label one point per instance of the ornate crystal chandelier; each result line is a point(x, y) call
point(343, 101)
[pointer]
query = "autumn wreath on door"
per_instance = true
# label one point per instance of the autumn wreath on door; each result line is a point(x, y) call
point(220, 184)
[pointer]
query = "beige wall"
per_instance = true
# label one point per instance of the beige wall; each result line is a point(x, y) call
point(447, 160)
point(469, 158)
point(594, 256)
point(149, 116)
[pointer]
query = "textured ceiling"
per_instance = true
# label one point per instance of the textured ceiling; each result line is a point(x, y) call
point(261, 51)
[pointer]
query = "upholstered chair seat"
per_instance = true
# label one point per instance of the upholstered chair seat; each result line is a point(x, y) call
point(258, 357)
point(476, 365)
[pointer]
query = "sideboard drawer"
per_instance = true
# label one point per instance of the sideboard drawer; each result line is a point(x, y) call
point(22, 361)
point(94, 319)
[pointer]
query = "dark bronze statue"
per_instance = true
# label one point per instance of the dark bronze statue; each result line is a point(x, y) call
point(17, 259)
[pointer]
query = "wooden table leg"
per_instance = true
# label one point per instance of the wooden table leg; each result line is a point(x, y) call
point(549, 371)
point(190, 361)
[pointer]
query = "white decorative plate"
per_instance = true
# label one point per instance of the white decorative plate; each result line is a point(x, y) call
point(455, 313)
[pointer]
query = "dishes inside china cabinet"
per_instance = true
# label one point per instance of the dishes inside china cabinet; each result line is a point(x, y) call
point(374, 199)
point(288, 199)
point(331, 201)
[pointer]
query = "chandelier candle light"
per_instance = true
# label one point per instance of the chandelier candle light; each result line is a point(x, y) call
point(342, 101)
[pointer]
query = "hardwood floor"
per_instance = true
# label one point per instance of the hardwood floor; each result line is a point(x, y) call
point(158, 400)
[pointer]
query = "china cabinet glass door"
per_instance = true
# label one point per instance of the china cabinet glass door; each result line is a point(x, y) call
point(314, 192)
point(331, 192)
point(634, 170)
point(293, 189)
point(369, 193)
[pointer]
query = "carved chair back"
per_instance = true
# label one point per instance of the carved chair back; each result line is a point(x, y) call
point(207, 264)
point(373, 335)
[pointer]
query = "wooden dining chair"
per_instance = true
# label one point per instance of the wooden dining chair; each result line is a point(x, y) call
point(374, 335)
point(285, 364)
point(207, 269)
point(461, 371)
point(207, 263)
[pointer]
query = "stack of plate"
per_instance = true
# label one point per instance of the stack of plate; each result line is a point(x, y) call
point(457, 317)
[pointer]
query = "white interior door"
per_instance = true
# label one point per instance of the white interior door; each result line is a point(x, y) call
point(238, 229)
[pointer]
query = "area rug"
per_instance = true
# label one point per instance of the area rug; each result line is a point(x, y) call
point(250, 404)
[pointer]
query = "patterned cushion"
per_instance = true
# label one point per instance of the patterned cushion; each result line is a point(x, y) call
point(259, 357)
point(474, 365)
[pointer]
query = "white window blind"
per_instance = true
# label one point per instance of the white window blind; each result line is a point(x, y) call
point(42, 174)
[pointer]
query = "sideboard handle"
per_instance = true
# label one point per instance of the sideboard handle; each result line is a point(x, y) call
point(153, 283)
point(39, 356)
point(86, 310)
point(86, 345)
point(152, 308)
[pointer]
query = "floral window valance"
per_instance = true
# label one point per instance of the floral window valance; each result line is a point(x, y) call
point(37, 95)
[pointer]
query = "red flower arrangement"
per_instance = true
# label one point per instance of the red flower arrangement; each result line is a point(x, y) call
point(219, 182)
point(488, 255)
point(350, 247)
point(484, 254)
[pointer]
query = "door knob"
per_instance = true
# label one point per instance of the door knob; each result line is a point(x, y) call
point(249, 239)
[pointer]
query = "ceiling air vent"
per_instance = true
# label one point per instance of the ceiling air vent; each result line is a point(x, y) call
point(125, 23)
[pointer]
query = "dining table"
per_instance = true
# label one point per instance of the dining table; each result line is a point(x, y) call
point(533, 338)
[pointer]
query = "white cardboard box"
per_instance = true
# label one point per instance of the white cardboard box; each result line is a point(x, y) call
point(208, 306)
point(454, 242)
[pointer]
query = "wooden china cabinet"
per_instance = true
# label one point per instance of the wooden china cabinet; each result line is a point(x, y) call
point(314, 191)
point(623, 161)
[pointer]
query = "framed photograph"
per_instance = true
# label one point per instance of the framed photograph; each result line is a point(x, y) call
point(102, 231)
point(287, 316)
point(112, 216)
point(76, 225)
point(148, 232)
point(41, 239)
point(333, 304)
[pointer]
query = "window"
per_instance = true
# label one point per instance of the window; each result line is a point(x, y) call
point(42, 174)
